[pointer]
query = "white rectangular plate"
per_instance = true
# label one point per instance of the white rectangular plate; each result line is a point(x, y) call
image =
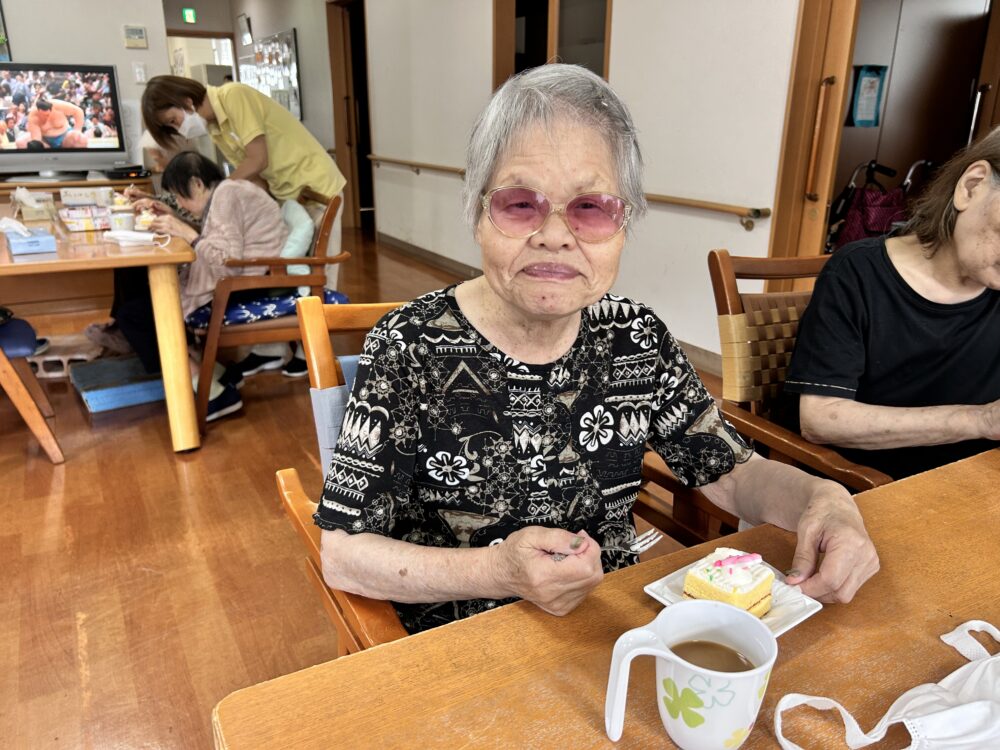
point(789, 606)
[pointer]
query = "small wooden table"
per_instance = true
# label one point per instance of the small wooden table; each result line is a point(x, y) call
point(87, 251)
point(516, 677)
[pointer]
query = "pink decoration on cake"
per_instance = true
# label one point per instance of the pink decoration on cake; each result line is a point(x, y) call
point(740, 561)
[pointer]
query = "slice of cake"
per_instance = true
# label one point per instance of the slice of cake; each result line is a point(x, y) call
point(734, 577)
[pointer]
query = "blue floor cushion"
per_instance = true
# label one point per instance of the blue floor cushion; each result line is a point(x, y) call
point(252, 309)
point(17, 338)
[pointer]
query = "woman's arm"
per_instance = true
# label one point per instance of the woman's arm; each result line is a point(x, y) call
point(255, 162)
point(852, 424)
point(522, 566)
point(820, 511)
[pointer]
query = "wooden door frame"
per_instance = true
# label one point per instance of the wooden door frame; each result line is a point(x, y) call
point(989, 74)
point(824, 49)
point(504, 29)
point(344, 135)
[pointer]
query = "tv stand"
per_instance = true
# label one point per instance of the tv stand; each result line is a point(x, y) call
point(47, 176)
point(34, 183)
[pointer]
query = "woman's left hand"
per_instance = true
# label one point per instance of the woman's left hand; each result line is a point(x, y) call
point(170, 224)
point(832, 525)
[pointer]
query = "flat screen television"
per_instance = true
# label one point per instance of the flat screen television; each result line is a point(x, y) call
point(59, 118)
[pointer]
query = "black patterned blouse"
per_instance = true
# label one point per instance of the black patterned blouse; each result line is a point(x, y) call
point(448, 442)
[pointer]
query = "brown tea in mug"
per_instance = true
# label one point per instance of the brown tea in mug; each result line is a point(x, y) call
point(711, 655)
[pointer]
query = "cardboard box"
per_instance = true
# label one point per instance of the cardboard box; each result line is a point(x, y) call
point(87, 196)
point(40, 241)
point(86, 218)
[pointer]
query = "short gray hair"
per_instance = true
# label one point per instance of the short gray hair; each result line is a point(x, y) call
point(541, 95)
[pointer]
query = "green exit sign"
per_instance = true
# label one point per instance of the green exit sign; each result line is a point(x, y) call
point(189, 15)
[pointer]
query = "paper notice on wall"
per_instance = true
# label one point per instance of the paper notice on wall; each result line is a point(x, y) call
point(868, 95)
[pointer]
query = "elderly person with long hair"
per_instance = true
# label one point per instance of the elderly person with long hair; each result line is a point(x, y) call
point(494, 438)
point(898, 354)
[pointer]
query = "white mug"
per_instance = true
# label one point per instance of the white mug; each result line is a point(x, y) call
point(122, 220)
point(701, 709)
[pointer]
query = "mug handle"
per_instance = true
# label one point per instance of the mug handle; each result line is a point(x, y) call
point(632, 643)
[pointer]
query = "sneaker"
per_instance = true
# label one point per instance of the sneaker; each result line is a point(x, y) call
point(254, 363)
point(225, 403)
point(232, 376)
point(41, 346)
point(295, 368)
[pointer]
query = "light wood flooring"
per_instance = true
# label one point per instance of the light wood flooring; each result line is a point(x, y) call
point(140, 587)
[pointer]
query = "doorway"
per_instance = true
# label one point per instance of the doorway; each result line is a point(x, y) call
point(897, 82)
point(351, 122)
point(206, 57)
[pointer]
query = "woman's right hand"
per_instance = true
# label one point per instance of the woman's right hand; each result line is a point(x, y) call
point(151, 204)
point(135, 194)
point(527, 564)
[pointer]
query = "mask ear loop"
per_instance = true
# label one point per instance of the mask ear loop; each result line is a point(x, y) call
point(165, 243)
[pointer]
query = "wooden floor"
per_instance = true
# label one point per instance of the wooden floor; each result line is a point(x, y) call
point(140, 587)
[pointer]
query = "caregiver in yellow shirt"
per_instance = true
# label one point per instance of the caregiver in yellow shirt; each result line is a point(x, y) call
point(267, 145)
point(258, 136)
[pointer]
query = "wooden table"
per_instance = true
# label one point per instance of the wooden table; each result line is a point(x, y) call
point(516, 677)
point(86, 251)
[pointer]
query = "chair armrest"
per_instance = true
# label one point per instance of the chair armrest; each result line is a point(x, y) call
point(817, 457)
point(372, 621)
point(278, 261)
point(691, 518)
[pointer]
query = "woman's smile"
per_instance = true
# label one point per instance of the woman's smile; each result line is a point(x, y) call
point(550, 271)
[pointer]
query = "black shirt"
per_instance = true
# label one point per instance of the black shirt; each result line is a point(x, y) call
point(448, 442)
point(867, 335)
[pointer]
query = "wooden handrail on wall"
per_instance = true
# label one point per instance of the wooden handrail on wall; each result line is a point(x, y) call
point(746, 215)
point(416, 166)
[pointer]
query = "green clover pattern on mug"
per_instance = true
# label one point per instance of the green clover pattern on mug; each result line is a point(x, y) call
point(683, 704)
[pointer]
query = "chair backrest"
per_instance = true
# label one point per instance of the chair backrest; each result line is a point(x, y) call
point(360, 622)
point(758, 330)
point(321, 237)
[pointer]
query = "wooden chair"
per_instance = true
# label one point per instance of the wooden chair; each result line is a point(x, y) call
point(217, 335)
point(757, 332)
point(18, 381)
point(360, 622)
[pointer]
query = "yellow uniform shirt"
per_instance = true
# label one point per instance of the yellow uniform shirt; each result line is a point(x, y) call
point(295, 159)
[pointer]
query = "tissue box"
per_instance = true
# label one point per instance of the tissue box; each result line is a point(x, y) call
point(86, 218)
point(40, 241)
point(86, 196)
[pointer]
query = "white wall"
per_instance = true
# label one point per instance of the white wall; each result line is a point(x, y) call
point(430, 73)
point(55, 31)
point(308, 18)
point(706, 82)
point(213, 15)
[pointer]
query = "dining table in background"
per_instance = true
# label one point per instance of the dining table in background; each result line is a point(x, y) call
point(87, 251)
point(516, 677)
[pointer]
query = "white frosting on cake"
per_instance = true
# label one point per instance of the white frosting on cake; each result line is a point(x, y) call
point(735, 579)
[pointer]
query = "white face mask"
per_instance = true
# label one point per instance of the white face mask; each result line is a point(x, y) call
point(962, 712)
point(193, 126)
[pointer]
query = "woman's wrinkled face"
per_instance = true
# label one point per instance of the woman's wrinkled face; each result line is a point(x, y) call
point(552, 274)
point(977, 230)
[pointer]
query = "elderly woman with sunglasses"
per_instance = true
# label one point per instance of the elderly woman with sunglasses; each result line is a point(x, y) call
point(494, 438)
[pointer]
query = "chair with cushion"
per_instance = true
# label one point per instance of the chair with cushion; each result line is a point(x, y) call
point(261, 309)
point(17, 342)
point(757, 332)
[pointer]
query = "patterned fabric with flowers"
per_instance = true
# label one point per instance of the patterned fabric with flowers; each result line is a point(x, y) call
point(449, 442)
